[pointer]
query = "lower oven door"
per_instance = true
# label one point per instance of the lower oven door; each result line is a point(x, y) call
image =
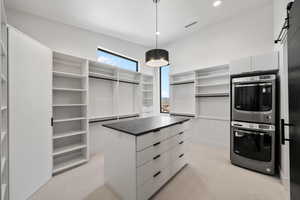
point(253, 144)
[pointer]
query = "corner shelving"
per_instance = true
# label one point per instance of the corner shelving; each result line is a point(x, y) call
point(182, 96)
point(4, 106)
point(73, 162)
point(70, 112)
point(212, 93)
point(147, 94)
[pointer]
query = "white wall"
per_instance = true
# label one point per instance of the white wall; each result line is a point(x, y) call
point(72, 40)
point(248, 34)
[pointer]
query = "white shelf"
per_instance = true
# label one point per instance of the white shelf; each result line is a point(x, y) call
point(213, 76)
point(3, 163)
point(67, 149)
point(213, 84)
point(104, 76)
point(147, 99)
point(68, 134)
point(183, 82)
point(3, 135)
point(68, 75)
point(3, 190)
point(69, 119)
point(68, 164)
point(66, 63)
point(69, 89)
point(147, 91)
point(212, 118)
point(68, 105)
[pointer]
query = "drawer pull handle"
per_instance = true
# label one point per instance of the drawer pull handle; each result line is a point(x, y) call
point(157, 130)
point(155, 175)
point(180, 133)
point(158, 143)
point(181, 142)
point(181, 155)
point(154, 158)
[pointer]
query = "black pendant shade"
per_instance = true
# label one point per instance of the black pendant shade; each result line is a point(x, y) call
point(157, 57)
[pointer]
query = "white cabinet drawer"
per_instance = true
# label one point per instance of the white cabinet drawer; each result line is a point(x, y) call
point(152, 138)
point(145, 172)
point(146, 190)
point(149, 153)
point(160, 161)
point(178, 164)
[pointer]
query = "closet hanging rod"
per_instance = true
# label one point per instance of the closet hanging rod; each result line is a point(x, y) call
point(286, 25)
point(108, 79)
point(189, 82)
point(112, 79)
point(130, 82)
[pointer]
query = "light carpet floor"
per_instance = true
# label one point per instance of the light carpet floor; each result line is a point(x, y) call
point(209, 176)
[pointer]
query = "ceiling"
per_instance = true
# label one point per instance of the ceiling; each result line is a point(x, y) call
point(134, 20)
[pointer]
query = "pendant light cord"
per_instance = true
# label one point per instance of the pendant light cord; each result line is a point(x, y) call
point(156, 26)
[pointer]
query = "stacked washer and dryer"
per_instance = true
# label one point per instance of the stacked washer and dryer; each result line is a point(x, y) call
point(253, 122)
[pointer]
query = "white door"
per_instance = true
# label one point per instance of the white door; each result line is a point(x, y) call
point(284, 114)
point(239, 66)
point(30, 99)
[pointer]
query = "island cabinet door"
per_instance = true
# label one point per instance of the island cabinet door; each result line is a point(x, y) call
point(120, 163)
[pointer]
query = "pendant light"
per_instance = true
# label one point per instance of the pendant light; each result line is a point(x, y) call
point(157, 57)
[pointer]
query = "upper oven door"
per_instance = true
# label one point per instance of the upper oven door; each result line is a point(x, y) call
point(253, 97)
point(254, 101)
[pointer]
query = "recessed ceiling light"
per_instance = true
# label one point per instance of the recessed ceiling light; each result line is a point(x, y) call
point(217, 3)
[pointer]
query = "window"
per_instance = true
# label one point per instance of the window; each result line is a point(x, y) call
point(116, 60)
point(164, 89)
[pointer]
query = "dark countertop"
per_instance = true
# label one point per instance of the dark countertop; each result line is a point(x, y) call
point(146, 125)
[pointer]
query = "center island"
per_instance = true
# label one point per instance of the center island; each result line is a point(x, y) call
point(142, 155)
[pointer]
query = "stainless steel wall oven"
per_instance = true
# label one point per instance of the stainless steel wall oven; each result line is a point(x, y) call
point(253, 146)
point(254, 99)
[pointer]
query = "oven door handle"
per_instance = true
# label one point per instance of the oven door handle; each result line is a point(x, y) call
point(245, 85)
point(282, 126)
point(252, 85)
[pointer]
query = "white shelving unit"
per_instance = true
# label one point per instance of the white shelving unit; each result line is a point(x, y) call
point(4, 146)
point(182, 94)
point(70, 112)
point(114, 92)
point(147, 95)
point(212, 93)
